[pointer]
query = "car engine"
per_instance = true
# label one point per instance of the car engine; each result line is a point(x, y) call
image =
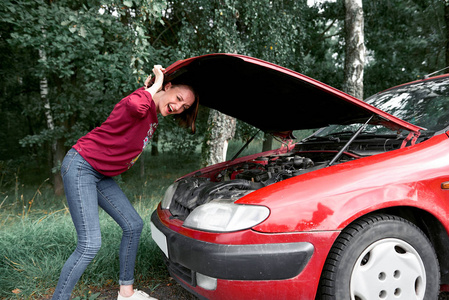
point(236, 181)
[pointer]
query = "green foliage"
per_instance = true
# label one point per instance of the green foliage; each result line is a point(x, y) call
point(174, 139)
point(87, 295)
point(405, 41)
point(267, 30)
point(92, 53)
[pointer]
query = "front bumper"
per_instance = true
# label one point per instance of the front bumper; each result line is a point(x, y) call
point(271, 261)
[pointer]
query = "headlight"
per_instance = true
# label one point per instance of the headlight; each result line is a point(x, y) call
point(226, 217)
point(165, 204)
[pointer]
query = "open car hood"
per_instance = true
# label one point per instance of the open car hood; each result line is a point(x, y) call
point(273, 98)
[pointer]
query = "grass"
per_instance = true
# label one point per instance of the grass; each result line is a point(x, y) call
point(37, 234)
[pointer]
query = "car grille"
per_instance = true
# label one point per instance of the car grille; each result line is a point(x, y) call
point(180, 271)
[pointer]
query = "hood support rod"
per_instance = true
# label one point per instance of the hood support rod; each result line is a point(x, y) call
point(349, 142)
point(244, 146)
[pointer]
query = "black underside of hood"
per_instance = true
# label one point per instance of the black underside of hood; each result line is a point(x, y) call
point(266, 96)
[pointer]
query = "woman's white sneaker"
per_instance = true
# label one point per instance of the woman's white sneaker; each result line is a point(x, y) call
point(138, 295)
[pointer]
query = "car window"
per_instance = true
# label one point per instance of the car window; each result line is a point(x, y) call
point(425, 104)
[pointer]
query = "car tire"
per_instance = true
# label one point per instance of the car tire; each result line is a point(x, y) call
point(380, 257)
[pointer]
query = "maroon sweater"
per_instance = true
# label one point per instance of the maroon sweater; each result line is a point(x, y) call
point(115, 146)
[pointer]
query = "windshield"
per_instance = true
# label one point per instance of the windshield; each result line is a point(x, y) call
point(424, 103)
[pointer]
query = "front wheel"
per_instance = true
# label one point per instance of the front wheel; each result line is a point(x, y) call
point(381, 257)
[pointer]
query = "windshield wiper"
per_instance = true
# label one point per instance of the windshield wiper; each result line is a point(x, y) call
point(341, 133)
point(349, 142)
point(330, 137)
point(314, 135)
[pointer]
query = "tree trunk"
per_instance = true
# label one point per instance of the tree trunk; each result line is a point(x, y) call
point(57, 146)
point(154, 144)
point(267, 142)
point(221, 129)
point(355, 48)
point(58, 156)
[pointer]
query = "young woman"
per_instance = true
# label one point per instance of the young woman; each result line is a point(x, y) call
point(107, 151)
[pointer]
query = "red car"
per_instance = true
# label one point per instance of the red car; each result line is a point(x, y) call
point(358, 210)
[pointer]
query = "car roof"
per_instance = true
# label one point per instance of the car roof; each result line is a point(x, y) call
point(433, 78)
point(273, 98)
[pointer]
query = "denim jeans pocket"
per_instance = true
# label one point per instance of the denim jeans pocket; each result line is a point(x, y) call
point(69, 157)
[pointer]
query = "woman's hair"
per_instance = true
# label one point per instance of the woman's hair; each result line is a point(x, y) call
point(187, 118)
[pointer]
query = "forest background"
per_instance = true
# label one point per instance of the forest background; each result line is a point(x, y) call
point(66, 63)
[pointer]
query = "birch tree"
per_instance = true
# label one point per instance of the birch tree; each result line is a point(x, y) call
point(57, 148)
point(221, 129)
point(355, 48)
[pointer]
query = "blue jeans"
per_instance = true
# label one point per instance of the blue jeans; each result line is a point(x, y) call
point(86, 190)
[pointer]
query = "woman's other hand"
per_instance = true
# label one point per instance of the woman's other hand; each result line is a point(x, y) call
point(158, 71)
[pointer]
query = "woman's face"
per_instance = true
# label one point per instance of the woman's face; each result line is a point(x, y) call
point(174, 99)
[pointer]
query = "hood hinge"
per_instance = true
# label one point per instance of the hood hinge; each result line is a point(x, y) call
point(412, 137)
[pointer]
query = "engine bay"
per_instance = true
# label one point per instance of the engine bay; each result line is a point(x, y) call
point(268, 170)
point(237, 180)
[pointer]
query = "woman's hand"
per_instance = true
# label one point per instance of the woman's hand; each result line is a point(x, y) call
point(158, 71)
